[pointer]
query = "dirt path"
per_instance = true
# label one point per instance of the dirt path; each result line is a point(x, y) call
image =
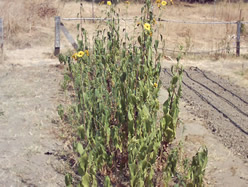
point(29, 89)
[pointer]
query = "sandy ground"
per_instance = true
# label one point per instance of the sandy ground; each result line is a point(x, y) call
point(28, 99)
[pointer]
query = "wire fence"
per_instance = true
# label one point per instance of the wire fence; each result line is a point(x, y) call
point(159, 20)
point(227, 49)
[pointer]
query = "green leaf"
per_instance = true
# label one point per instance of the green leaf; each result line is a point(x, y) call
point(86, 180)
point(123, 76)
point(107, 182)
point(68, 180)
point(145, 112)
point(156, 45)
point(130, 116)
point(174, 80)
point(149, 54)
point(139, 40)
point(80, 148)
point(83, 161)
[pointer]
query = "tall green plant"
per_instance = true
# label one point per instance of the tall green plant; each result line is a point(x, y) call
point(117, 85)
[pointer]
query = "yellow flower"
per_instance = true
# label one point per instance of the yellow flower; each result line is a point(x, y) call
point(155, 85)
point(150, 34)
point(80, 54)
point(87, 52)
point(164, 3)
point(147, 26)
point(154, 21)
point(158, 1)
point(109, 3)
point(74, 56)
point(127, 2)
point(159, 5)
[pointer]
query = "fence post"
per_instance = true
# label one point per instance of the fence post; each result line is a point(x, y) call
point(93, 10)
point(57, 36)
point(1, 40)
point(238, 38)
point(1, 33)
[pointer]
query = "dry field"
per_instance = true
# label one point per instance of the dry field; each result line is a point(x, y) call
point(194, 37)
point(29, 85)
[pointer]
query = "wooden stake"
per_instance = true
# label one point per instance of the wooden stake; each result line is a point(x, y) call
point(238, 38)
point(238, 34)
point(1, 39)
point(93, 11)
point(57, 36)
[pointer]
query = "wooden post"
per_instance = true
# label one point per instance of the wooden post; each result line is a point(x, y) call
point(1, 38)
point(238, 33)
point(1, 33)
point(93, 11)
point(57, 36)
point(81, 21)
point(238, 38)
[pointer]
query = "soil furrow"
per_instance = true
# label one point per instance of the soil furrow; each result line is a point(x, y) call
point(217, 92)
point(218, 84)
point(223, 119)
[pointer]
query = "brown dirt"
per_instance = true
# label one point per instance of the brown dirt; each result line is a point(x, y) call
point(214, 113)
point(223, 106)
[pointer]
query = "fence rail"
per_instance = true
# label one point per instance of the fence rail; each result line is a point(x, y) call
point(159, 20)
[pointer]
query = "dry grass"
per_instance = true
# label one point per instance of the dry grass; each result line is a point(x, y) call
point(32, 21)
point(193, 37)
point(22, 17)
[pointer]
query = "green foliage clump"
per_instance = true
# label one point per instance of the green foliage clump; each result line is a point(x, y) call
point(120, 141)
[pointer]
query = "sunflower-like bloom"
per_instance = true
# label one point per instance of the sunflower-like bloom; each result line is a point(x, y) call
point(154, 21)
point(127, 2)
point(164, 3)
point(155, 85)
point(158, 1)
point(109, 3)
point(87, 52)
point(74, 56)
point(80, 54)
point(147, 26)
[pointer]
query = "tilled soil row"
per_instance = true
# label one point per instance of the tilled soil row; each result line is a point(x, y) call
point(224, 106)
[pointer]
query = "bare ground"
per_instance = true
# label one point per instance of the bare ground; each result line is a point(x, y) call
point(28, 99)
point(214, 113)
